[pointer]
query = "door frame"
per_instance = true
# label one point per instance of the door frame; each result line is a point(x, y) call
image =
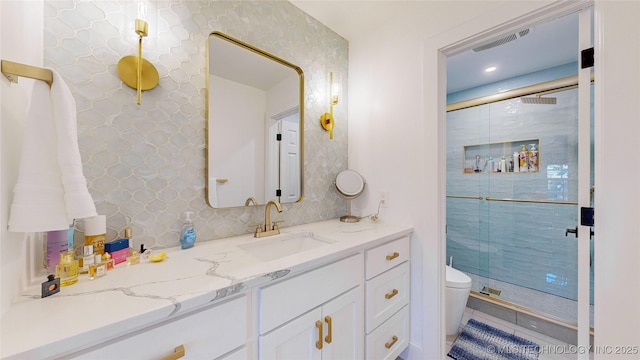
point(462, 41)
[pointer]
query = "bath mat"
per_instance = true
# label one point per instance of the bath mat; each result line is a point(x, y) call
point(479, 341)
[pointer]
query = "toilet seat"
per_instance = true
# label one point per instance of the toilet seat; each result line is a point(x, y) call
point(457, 279)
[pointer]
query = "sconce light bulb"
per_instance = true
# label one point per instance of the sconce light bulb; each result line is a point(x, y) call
point(142, 10)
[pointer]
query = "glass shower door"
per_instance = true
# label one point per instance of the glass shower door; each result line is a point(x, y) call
point(464, 188)
point(532, 263)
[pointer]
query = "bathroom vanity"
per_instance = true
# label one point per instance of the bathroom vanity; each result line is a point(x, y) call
point(321, 290)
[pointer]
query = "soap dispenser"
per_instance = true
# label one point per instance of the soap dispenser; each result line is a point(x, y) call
point(188, 235)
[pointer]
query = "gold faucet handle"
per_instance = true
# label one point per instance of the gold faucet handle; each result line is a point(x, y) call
point(257, 226)
point(275, 224)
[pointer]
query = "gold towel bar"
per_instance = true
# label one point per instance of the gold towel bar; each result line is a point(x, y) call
point(13, 70)
point(465, 197)
point(533, 201)
point(514, 200)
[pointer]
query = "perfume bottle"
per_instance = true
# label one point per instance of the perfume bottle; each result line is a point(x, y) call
point(106, 257)
point(98, 268)
point(133, 258)
point(86, 260)
point(51, 286)
point(67, 268)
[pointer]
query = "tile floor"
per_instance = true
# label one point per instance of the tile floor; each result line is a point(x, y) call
point(550, 348)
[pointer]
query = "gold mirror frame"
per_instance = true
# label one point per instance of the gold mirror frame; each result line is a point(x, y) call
point(248, 199)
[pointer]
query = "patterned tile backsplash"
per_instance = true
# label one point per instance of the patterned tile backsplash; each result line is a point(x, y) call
point(145, 164)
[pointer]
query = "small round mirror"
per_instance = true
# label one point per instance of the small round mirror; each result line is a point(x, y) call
point(350, 185)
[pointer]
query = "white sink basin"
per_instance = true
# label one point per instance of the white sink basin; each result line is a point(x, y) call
point(278, 246)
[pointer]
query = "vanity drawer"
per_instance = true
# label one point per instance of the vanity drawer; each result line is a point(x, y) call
point(391, 338)
point(386, 294)
point(205, 334)
point(290, 298)
point(384, 257)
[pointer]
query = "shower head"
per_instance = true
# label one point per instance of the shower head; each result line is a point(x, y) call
point(538, 100)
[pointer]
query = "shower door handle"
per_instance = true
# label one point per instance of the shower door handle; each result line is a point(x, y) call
point(573, 231)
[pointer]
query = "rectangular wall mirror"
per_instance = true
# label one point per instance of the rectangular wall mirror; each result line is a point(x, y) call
point(255, 125)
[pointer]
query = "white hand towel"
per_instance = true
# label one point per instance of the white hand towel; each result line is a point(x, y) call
point(51, 189)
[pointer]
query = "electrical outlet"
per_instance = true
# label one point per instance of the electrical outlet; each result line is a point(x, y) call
point(384, 199)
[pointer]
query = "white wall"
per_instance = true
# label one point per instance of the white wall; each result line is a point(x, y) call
point(617, 181)
point(21, 40)
point(393, 117)
point(390, 125)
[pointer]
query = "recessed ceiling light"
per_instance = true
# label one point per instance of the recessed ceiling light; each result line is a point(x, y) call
point(490, 69)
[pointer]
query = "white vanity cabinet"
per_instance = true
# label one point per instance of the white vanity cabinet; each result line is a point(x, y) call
point(387, 299)
point(315, 315)
point(210, 333)
point(348, 300)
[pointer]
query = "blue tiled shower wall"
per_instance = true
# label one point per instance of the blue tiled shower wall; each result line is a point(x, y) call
point(519, 243)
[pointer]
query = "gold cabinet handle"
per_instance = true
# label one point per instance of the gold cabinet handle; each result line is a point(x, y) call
point(178, 352)
point(391, 294)
point(319, 342)
point(329, 337)
point(391, 343)
point(393, 256)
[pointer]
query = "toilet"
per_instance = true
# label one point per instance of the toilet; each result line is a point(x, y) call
point(455, 297)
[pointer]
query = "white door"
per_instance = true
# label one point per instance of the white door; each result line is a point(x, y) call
point(334, 331)
point(290, 159)
point(344, 327)
point(294, 340)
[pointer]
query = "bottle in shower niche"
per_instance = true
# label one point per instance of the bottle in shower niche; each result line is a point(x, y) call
point(516, 162)
point(503, 165)
point(533, 158)
point(188, 234)
point(524, 165)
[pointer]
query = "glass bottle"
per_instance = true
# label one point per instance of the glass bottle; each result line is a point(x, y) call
point(67, 268)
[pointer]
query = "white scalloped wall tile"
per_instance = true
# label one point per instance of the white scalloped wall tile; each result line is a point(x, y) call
point(145, 165)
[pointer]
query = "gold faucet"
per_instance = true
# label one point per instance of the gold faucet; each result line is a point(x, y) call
point(250, 200)
point(269, 229)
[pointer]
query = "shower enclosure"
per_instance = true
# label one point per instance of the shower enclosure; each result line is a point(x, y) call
point(510, 227)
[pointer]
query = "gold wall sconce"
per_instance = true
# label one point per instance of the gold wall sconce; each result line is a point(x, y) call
point(326, 120)
point(135, 71)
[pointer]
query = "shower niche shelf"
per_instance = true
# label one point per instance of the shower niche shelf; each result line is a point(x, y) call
point(476, 159)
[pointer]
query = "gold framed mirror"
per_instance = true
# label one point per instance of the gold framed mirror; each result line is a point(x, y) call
point(255, 129)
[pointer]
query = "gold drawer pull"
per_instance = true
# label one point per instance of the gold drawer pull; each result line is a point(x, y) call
point(391, 294)
point(393, 256)
point(391, 343)
point(178, 352)
point(319, 342)
point(329, 337)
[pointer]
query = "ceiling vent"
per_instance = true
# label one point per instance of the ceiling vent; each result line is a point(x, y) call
point(503, 40)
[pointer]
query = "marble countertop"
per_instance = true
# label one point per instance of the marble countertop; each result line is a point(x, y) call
point(131, 297)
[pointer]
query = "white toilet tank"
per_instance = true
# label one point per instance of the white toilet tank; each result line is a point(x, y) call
point(456, 295)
